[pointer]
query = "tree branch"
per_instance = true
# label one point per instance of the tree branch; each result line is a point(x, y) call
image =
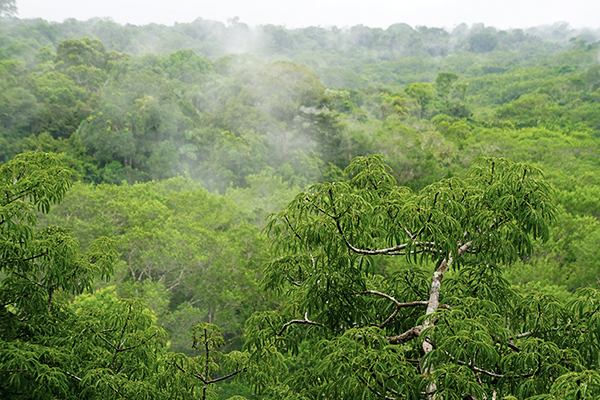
point(73, 376)
point(396, 302)
point(304, 321)
point(26, 278)
point(406, 336)
point(107, 342)
point(206, 381)
point(37, 256)
point(495, 375)
point(237, 371)
point(137, 345)
point(199, 376)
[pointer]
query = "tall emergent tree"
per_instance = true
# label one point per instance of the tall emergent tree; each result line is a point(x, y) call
point(392, 294)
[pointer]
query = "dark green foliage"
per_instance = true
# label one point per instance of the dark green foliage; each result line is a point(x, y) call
point(483, 42)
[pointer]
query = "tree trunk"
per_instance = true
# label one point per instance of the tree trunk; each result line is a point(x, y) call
point(434, 303)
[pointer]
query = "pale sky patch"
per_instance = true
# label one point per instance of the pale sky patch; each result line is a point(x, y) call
point(326, 13)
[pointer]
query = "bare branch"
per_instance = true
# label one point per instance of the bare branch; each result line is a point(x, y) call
point(206, 381)
point(199, 376)
point(525, 334)
point(237, 371)
point(107, 342)
point(137, 345)
point(304, 321)
point(37, 256)
point(408, 233)
point(367, 252)
point(390, 251)
point(396, 302)
point(406, 336)
point(88, 385)
point(73, 376)
point(496, 375)
point(436, 279)
point(509, 344)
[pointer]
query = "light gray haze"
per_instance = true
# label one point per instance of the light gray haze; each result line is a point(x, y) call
point(326, 13)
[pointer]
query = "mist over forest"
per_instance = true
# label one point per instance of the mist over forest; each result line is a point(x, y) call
point(336, 55)
point(213, 210)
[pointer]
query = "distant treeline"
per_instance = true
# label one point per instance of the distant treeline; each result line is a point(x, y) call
point(354, 57)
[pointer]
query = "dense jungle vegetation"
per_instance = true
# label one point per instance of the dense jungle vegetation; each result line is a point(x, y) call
point(211, 210)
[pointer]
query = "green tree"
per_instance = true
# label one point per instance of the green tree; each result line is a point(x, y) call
point(400, 295)
point(41, 269)
point(63, 104)
point(94, 346)
point(191, 373)
point(189, 253)
point(423, 93)
point(444, 85)
point(187, 66)
point(483, 42)
point(81, 52)
point(451, 94)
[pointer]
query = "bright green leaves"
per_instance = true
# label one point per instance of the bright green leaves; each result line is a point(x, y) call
point(77, 52)
point(500, 208)
point(474, 333)
point(370, 173)
point(584, 385)
point(188, 253)
point(43, 269)
point(423, 93)
point(323, 238)
point(187, 66)
point(361, 364)
point(116, 348)
point(512, 206)
point(31, 181)
point(207, 337)
point(476, 342)
point(195, 375)
point(40, 374)
point(39, 263)
point(49, 346)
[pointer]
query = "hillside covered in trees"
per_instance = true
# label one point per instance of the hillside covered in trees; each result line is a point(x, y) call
point(210, 210)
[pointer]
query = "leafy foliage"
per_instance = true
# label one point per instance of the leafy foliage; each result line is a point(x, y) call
point(260, 127)
point(97, 346)
point(402, 329)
